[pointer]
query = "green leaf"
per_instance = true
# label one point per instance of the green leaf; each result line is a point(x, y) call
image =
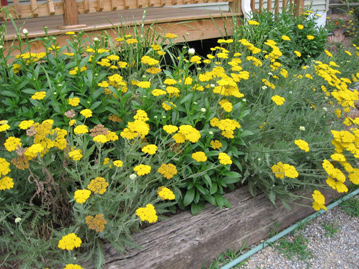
point(213, 188)
point(196, 208)
point(232, 174)
point(219, 200)
point(186, 98)
point(230, 180)
point(9, 94)
point(188, 198)
point(96, 104)
point(201, 189)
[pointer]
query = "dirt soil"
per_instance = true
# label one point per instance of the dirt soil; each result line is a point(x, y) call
point(339, 34)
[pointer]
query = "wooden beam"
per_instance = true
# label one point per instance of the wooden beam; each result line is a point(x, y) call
point(236, 6)
point(276, 7)
point(126, 4)
point(139, 3)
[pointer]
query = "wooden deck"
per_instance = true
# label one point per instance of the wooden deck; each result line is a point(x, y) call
point(188, 23)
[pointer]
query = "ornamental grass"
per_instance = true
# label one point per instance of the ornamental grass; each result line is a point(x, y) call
point(100, 136)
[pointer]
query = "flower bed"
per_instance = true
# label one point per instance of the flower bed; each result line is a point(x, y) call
point(101, 136)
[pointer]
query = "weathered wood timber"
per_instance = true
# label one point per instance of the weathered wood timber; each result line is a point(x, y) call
point(185, 241)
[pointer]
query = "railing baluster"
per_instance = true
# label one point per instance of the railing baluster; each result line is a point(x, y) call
point(86, 4)
point(284, 4)
point(276, 7)
point(34, 9)
point(51, 7)
point(126, 4)
point(269, 5)
point(113, 4)
point(16, 6)
point(99, 5)
point(260, 5)
point(139, 3)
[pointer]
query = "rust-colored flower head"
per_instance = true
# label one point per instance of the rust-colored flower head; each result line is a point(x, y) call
point(98, 130)
point(70, 113)
point(31, 131)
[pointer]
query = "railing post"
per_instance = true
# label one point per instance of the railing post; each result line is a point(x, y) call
point(235, 6)
point(299, 6)
point(71, 17)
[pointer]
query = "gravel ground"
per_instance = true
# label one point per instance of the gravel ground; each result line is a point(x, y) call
point(340, 250)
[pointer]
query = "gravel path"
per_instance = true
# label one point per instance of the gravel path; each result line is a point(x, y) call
point(338, 250)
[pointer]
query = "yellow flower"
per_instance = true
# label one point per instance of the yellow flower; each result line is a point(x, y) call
point(170, 36)
point(76, 154)
point(165, 193)
point(32, 151)
point(297, 53)
point(285, 38)
point(4, 127)
point(170, 81)
point(142, 169)
point(158, 92)
point(226, 105)
point(147, 213)
point(74, 101)
point(87, 113)
point(81, 196)
point(319, 201)
point(12, 143)
point(300, 26)
point(72, 266)
point(144, 84)
point(81, 129)
point(131, 41)
point(252, 22)
point(70, 33)
point(72, 122)
point(69, 242)
point(26, 124)
point(216, 144)
point(328, 53)
point(303, 145)
point(100, 139)
point(118, 163)
point(167, 170)
point(168, 105)
point(224, 158)
point(310, 37)
point(96, 223)
point(278, 100)
point(98, 185)
point(280, 170)
point(39, 95)
point(199, 156)
point(6, 183)
point(150, 149)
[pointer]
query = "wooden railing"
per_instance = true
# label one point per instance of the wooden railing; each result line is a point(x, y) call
point(71, 8)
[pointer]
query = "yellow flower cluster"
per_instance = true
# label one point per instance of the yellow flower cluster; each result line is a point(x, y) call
point(142, 169)
point(96, 222)
point(39, 95)
point(224, 158)
point(12, 143)
point(73, 266)
point(147, 213)
point(150, 149)
point(165, 193)
point(226, 105)
point(6, 183)
point(167, 170)
point(26, 124)
point(74, 101)
point(278, 100)
point(118, 163)
point(98, 185)
point(303, 145)
point(187, 133)
point(87, 113)
point(216, 144)
point(227, 126)
point(137, 128)
point(69, 242)
point(319, 201)
point(170, 129)
point(199, 156)
point(281, 170)
point(81, 196)
point(76, 154)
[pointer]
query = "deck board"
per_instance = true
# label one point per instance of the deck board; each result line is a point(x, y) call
point(188, 23)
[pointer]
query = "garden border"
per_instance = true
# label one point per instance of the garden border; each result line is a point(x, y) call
point(186, 241)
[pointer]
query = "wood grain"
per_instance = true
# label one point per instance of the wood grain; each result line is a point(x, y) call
point(185, 241)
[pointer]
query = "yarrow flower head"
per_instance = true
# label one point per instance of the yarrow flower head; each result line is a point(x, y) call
point(303, 145)
point(39, 95)
point(199, 156)
point(319, 201)
point(12, 143)
point(224, 158)
point(165, 193)
point(69, 242)
point(150, 149)
point(281, 170)
point(6, 183)
point(118, 163)
point(98, 185)
point(81, 196)
point(216, 144)
point(142, 169)
point(26, 124)
point(278, 100)
point(87, 113)
point(167, 170)
point(96, 223)
point(74, 101)
point(147, 213)
point(76, 154)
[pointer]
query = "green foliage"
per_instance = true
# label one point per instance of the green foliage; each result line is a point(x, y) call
point(296, 247)
point(330, 229)
point(351, 206)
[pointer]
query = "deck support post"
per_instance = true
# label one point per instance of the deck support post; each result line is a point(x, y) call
point(71, 17)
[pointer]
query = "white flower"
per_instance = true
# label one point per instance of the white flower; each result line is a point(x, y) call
point(1, 47)
point(164, 117)
point(302, 128)
point(191, 51)
point(17, 220)
point(270, 73)
point(244, 100)
point(155, 117)
point(95, 39)
point(264, 87)
point(133, 176)
point(210, 132)
point(25, 31)
point(203, 109)
point(325, 109)
point(195, 103)
point(212, 85)
point(290, 92)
